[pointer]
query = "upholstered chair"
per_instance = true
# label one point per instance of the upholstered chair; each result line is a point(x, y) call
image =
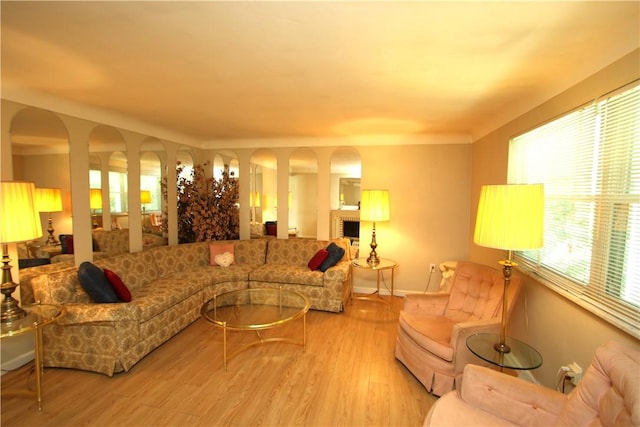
point(608, 395)
point(433, 328)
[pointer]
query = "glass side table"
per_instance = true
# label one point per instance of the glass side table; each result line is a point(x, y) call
point(38, 316)
point(385, 264)
point(522, 356)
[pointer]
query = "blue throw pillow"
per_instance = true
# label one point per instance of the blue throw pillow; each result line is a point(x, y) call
point(94, 282)
point(335, 254)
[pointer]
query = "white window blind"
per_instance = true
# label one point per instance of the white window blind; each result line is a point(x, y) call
point(589, 163)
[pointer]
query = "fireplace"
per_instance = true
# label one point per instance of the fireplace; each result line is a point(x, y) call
point(351, 228)
point(345, 223)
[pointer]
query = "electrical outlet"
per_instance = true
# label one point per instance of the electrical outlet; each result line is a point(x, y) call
point(575, 372)
point(432, 268)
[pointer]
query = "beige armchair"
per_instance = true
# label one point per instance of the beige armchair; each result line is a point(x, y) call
point(608, 395)
point(433, 328)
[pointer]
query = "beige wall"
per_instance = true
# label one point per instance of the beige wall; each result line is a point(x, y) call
point(429, 197)
point(559, 329)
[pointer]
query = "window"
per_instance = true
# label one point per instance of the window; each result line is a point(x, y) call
point(589, 162)
point(118, 192)
point(152, 184)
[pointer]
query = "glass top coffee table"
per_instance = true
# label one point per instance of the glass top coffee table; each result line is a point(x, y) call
point(256, 310)
point(522, 356)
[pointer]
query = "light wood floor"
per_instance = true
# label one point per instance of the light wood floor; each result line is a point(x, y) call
point(346, 377)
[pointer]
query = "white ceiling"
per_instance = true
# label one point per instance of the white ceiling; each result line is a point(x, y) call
point(215, 73)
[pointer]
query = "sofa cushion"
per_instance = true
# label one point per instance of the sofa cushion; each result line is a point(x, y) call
point(250, 251)
point(224, 260)
point(439, 327)
point(210, 275)
point(317, 259)
point(94, 282)
point(118, 285)
point(159, 296)
point(286, 274)
point(180, 258)
point(66, 243)
point(477, 293)
point(217, 253)
point(135, 269)
point(112, 241)
point(335, 254)
point(293, 251)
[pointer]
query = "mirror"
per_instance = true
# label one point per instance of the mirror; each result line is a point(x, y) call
point(303, 193)
point(267, 180)
point(349, 192)
point(179, 174)
point(255, 201)
point(103, 142)
point(40, 154)
point(150, 192)
point(118, 190)
point(345, 179)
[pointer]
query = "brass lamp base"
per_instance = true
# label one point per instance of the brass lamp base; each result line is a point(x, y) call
point(10, 311)
point(9, 308)
point(507, 266)
point(51, 240)
point(373, 259)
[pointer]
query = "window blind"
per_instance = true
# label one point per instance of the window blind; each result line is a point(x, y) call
point(589, 163)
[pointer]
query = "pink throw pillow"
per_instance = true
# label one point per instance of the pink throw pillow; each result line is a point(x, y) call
point(316, 261)
point(118, 286)
point(219, 249)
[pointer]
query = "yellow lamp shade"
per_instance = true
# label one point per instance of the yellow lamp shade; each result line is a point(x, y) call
point(95, 198)
point(48, 199)
point(145, 196)
point(19, 219)
point(374, 205)
point(510, 217)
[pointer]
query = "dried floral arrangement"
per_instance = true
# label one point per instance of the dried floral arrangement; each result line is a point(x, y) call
point(207, 207)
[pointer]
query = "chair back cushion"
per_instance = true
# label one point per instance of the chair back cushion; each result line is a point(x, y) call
point(476, 293)
point(609, 393)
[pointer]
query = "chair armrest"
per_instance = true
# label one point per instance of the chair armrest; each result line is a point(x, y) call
point(90, 313)
point(431, 304)
point(510, 398)
point(462, 331)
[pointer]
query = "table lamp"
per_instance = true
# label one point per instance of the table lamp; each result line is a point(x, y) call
point(19, 222)
point(145, 197)
point(49, 200)
point(95, 202)
point(510, 217)
point(374, 206)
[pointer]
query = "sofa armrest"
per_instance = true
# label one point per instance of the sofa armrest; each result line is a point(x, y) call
point(431, 304)
point(91, 313)
point(510, 398)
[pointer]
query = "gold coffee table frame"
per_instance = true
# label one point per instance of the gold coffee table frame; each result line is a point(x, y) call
point(256, 310)
point(38, 316)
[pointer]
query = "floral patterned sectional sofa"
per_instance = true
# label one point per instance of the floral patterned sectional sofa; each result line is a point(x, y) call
point(107, 243)
point(169, 285)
